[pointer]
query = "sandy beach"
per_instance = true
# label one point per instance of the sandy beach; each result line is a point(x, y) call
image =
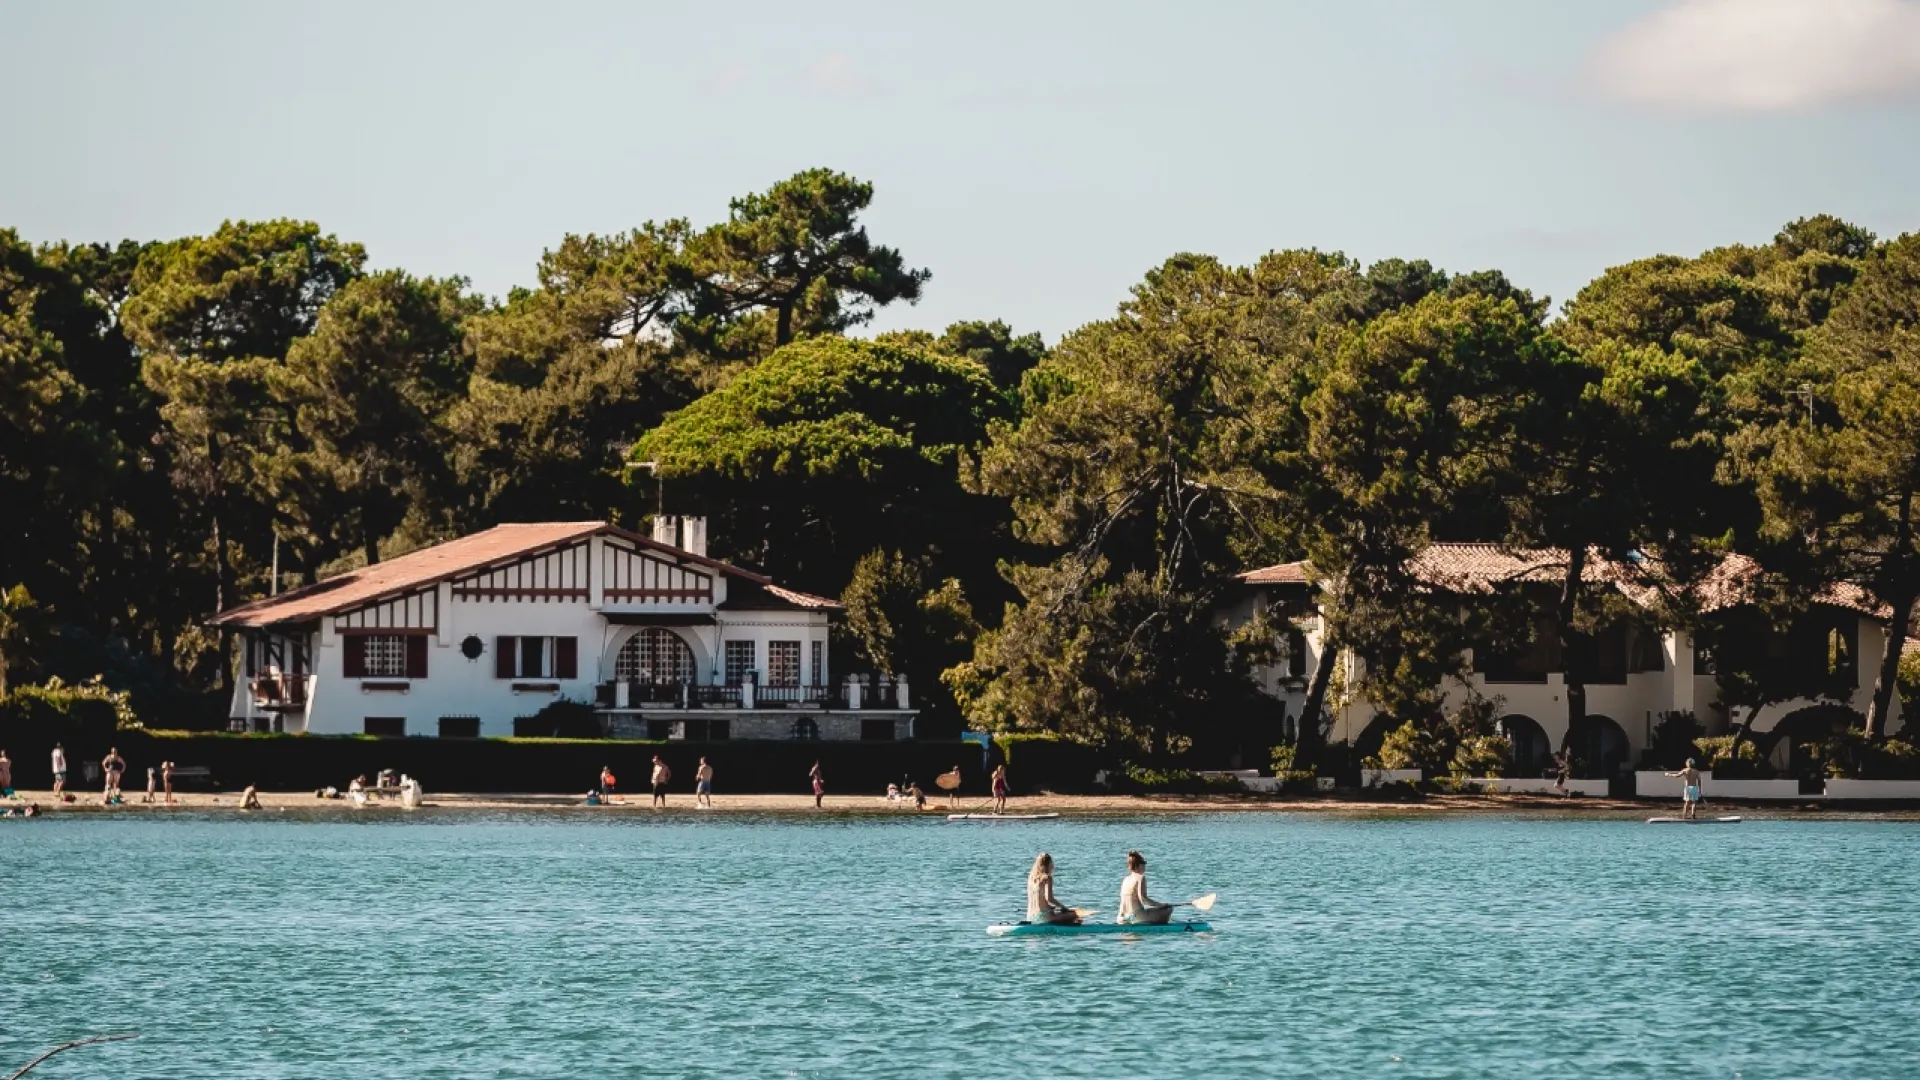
point(878, 806)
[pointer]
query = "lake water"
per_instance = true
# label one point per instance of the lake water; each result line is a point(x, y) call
point(456, 944)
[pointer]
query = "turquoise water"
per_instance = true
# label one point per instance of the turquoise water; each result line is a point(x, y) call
point(449, 944)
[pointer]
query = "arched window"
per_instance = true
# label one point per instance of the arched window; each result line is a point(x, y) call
point(806, 730)
point(654, 655)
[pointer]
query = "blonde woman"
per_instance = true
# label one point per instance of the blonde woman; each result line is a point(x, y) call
point(1042, 905)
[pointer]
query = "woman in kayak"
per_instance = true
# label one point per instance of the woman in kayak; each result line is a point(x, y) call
point(1042, 905)
point(1135, 907)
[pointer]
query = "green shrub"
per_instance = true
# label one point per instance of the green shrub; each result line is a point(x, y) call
point(1731, 760)
point(89, 705)
point(1482, 755)
point(1414, 746)
point(1147, 781)
point(1282, 760)
point(1849, 754)
point(1676, 737)
point(563, 719)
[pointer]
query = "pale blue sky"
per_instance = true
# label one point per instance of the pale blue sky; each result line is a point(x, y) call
point(1037, 157)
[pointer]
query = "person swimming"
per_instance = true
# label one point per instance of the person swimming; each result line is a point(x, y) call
point(1136, 908)
point(1042, 905)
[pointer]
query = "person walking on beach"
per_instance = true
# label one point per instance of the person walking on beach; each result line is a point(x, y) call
point(6, 776)
point(1689, 790)
point(114, 767)
point(703, 785)
point(59, 770)
point(1564, 762)
point(661, 774)
point(1042, 905)
point(166, 780)
point(999, 789)
point(1136, 908)
point(819, 784)
point(153, 778)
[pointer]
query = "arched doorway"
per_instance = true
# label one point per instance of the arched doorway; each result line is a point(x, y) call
point(1796, 742)
point(1532, 750)
point(1600, 748)
point(655, 662)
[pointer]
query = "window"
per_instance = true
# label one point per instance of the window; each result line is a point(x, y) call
point(819, 658)
point(1296, 653)
point(383, 656)
point(806, 730)
point(1649, 650)
point(386, 725)
point(739, 661)
point(533, 657)
point(654, 655)
point(536, 657)
point(459, 727)
point(783, 663)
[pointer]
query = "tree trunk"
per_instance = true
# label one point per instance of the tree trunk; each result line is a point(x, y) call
point(1308, 740)
point(1885, 683)
point(1571, 640)
point(222, 577)
point(783, 324)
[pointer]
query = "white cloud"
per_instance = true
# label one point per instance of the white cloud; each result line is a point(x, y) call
point(1764, 55)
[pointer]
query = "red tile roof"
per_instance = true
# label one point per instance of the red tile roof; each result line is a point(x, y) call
point(1478, 568)
point(431, 565)
point(1290, 573)
point(805, 600)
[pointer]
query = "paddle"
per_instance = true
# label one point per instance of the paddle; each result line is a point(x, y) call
point(1203, 903)
point(1086, 912)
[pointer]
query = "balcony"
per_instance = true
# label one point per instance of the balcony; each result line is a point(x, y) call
point(865, 693)
point(280, 692)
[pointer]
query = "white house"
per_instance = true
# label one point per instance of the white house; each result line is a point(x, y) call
point(469, 637)
point(1639, 671)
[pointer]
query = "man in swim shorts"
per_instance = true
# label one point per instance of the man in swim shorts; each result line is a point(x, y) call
point(661, 774)
point(59, 770)
point(703, 785)
point(1690, 790)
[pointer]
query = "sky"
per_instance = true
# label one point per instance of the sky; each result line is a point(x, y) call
point(1037, 157)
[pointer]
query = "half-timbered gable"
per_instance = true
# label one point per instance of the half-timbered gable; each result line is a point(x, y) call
point(415, 612)
point(634, 575)
point(561, 574)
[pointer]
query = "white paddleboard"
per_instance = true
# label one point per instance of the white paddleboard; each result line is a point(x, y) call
point(1001, 817)
point(1693, 821)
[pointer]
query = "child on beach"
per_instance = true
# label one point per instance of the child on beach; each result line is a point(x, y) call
point(153, 779)
point(819, 784)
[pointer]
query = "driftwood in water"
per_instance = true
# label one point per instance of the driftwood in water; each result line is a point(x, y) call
point(28, 1067)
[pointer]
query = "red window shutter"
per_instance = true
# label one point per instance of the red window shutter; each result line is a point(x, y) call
point(353, 657)
point(504, 657)
point(417, 657)
point(566, 658)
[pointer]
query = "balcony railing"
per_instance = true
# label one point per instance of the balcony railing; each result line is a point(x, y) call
point(279, 691)
point(855, 693)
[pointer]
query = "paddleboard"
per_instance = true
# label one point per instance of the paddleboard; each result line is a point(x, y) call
point(1001, 817)
point(1693, 821)
point(1026, 929)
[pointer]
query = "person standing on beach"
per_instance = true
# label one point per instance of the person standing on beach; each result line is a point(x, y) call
point(153, 778)
point(999, 789)
point(1689, 790)
point(607, 780)
point(59, 769)
point(6, 776)
point(819, 784)
point(166, 779)
point(113, 766)
point(703, 785)
point(661, 774)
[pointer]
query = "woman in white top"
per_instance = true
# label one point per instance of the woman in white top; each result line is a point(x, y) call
point(1042, 905)
point(1135, 907)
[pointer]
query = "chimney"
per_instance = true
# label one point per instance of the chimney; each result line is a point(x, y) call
point(666, 530)
point(694, 535)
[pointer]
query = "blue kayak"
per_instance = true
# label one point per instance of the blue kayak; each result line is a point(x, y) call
point(1027, 929)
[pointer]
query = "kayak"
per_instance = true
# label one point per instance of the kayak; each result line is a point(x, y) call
point(1001, 817)
point(1693, 821)
point(1027, 929)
